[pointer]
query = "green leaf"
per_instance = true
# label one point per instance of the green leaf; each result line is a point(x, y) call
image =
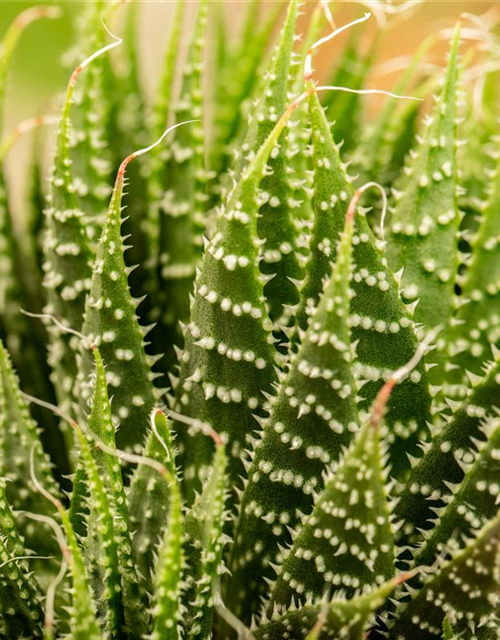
point(448, 633)
point(149, 498)
point(166, 612)
point(477, 156)
point(82, 612)
point(346, 544)
point(67, 260)
point(100, 426)
point(331, 196)
point(454, 445)
point(299, 140)
point(464, 589)
point(425, 221)
point(278, 253)
point(108, 548)
point(183, 206)
point(111, 323)
point(20, 289)
point(472, 505)
point(19, 439)
point(313, 417)
point(349, 619)
point(477, 316)
point(127, 115)
point(20, 600)
point(204, 545)
point(381, 325)
point(90, 147)
point(229, 358)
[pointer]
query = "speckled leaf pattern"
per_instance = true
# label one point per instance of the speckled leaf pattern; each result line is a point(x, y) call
point(204, 546)
point(111, 322)
point(67, 257)
point(472, 505)
point(162, 110)
point(20, 439)
point(183, 203)
point(89, 153)
point(20, 598)
point(465, 589)
point(332, 192)
point(149, 497)
point(278, 254)
point(100, 426)
point(8, 279)
point(354, 499)
point(312, 418)
point(381, 325)
point(453, 446)
point(348, 619)
point(20, 288)
point(318, 437)
point(425, 219)
point(250, 52)
point(166, 610)
point(108, 552)
point(229, 357)
point(479, 317)
point(83, 614)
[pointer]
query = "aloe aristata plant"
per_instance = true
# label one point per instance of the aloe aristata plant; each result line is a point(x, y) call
point(317, 454)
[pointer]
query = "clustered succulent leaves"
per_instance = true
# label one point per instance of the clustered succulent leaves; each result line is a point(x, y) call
point(243, 405)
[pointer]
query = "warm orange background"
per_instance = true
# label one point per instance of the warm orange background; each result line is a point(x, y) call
point(38, 73)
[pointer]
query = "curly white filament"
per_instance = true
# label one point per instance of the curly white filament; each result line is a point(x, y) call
point(380, 188)
point(321, 41)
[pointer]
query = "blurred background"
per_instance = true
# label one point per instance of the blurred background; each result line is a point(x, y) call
point(40, 74)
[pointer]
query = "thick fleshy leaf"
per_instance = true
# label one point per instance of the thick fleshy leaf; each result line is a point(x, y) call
point(478, 318)
point(67, 257)
point(425, 221)
point(107, 546)
point(20, 439)
point(20, 599)
point(111, 323)
point(233, 91)
point(465, 590)
point(455, 444)
point(162, 110)
point(90, 147)
point(20, 289)
point(471, 506)
point(149, 497)
point(381, 325)
point(279, 260)
point(312, 418)
point(229, 357)
point(323, 556)
point(183, 205)
point(83, 614)
point(166, 612)
point(204, 546)
point(350, 619)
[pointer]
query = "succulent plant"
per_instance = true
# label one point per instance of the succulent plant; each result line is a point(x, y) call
point(318, 453)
